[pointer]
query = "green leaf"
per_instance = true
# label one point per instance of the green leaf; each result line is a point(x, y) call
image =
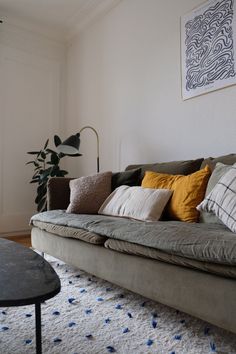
point(41, 171)
point(46, 144)
point(33, 152)
point(34, 181)
point(54, 158)
point(62, 173)
point(27, 163)
point(42, 189)
point(41, 193)
point(36, 175)
point(61, 155)
point(50, 150)
point(55, 170)
point(42, 204)
point(44, 176)
point(43, 155)
point(57, 140)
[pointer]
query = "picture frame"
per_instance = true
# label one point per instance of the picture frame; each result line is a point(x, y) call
point(208, 48)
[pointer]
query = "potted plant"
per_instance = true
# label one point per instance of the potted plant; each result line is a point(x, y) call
point(46, 165)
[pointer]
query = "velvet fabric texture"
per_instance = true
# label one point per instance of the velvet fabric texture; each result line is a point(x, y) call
point(229, 159)
point(183, 167)
point(129, 178)
point(58, 193)
point(88, 193)
point(188, 192)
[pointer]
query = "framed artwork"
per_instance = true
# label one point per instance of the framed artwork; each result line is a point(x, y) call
point(208, 47)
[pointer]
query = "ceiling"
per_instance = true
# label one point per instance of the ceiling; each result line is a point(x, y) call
point(64, 17)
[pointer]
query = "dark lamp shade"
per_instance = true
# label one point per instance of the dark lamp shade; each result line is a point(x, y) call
point(70, 146)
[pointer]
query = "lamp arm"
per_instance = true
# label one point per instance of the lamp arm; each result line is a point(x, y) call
point(96, 133)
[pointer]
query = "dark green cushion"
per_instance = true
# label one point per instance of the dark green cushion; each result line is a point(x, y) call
point(173, 167)
point(129, 178)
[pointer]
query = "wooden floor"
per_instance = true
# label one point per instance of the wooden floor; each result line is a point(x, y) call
point(25, 240)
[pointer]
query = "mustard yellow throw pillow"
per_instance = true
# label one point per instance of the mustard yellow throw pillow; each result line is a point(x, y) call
point(188, 192)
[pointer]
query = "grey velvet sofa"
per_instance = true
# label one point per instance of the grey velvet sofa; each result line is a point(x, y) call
point(202, 289)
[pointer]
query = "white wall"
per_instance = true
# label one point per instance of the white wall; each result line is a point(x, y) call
point(32, 76)
point(124, 79)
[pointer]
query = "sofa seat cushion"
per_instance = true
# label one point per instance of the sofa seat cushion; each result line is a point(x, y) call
point(143, 251)
point(203, 242)
point(66, 231)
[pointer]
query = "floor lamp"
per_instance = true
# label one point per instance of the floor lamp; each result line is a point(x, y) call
point(71, 145)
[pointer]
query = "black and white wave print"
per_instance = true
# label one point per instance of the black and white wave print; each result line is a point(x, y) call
point(209, 46)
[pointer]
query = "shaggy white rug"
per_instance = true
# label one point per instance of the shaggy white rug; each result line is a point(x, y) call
point(92, 316)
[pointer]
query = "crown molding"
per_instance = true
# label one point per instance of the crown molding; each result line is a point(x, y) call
point(49, 32)
point(81, 21)
point(62, 34)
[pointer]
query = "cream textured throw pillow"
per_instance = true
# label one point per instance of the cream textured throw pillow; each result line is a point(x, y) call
point(222, 199)
point(138, 203)
point(88, 193)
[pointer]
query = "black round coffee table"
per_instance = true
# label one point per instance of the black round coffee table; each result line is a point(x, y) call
point(26, 278)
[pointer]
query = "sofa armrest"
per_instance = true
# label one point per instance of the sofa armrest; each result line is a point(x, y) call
point(58, 193)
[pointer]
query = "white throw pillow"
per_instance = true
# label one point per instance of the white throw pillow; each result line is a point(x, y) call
point(221, 201)
point(218, 172)
point(145, 204)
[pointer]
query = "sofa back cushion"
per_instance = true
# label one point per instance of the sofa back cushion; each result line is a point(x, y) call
point(174, 167)
point(229, 159)
point(188, 192)
point(58, 193)
point(88, 193)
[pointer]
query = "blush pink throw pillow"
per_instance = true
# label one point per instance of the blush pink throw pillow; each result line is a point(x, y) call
point(88, 193)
